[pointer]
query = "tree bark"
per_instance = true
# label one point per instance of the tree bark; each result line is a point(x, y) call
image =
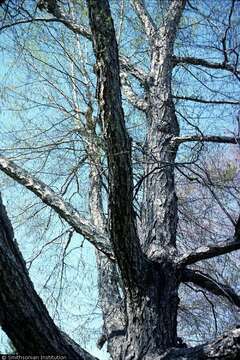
point(160, 201)
point(150, 288)
point(122, 224)
point(139, 288)
point(111, 303)
point(23, 316)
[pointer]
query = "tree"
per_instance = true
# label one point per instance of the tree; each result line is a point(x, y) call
point(140, 268)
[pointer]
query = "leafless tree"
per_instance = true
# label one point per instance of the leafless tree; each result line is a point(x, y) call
point(148, 243)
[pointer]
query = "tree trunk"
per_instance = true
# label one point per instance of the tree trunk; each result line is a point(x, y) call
point(152, 315)
point(140, 315)
point(150, 288)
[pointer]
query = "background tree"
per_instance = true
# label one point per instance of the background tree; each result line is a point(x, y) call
point(177, 54)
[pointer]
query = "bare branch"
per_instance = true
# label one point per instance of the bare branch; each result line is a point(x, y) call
point(132, 69)
point(224, 39)
point(209, 251)
point(144, 16)
point(205, 63)
point(54, 9)
point(28, 21)
point(206, 138)
point(55, 201)
point(211, 285)
point(133, 98)
point(205, 101)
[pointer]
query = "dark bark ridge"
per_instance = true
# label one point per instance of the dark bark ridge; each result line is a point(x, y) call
point(123, 233)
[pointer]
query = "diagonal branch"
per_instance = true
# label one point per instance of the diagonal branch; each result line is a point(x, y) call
point(209, 251)
point(23, 316)
point(205, 63)
point(206, 138)
point(147, 22)
point(123, 233)
point(55, 201)
point(211, 285)
point(53, 7)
